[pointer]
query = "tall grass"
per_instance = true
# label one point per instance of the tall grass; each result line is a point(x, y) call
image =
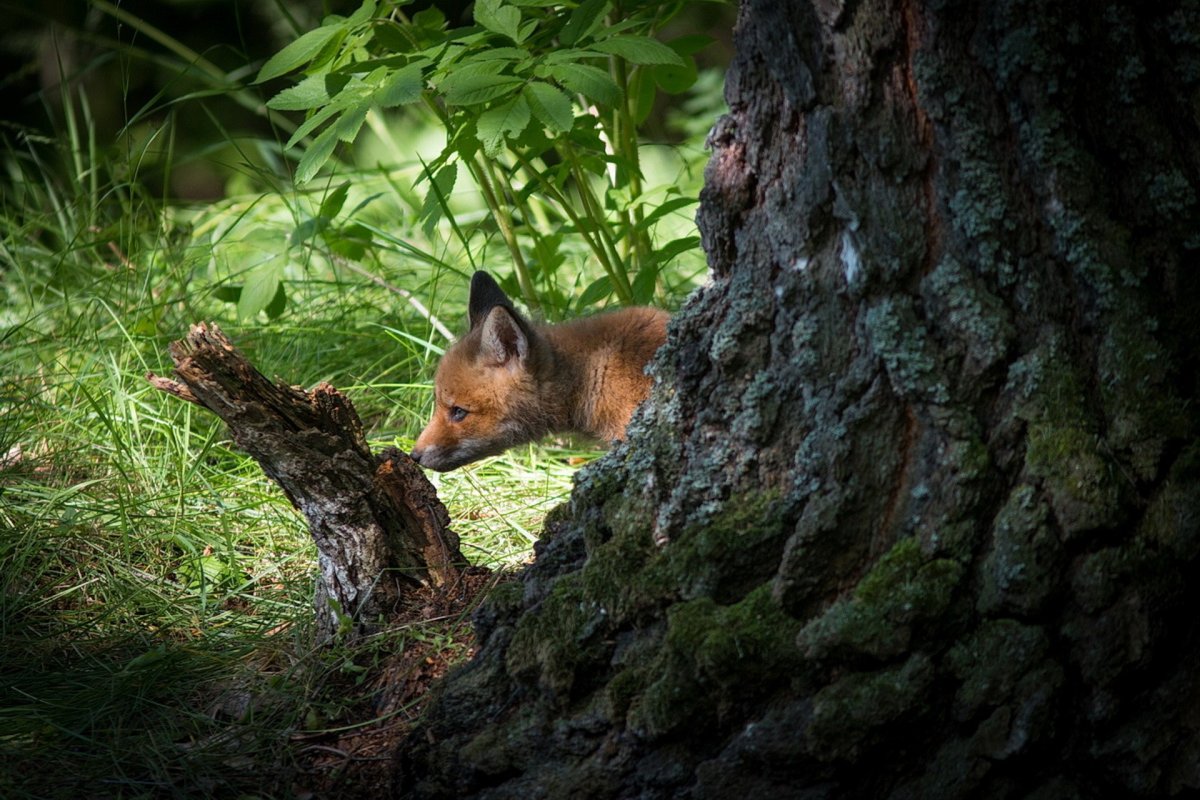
point(155, 587)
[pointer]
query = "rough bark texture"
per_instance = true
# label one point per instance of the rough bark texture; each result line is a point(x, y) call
point(915, 510)
point(381, 532)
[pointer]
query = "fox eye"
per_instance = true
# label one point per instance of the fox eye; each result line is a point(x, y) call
point(457, 413)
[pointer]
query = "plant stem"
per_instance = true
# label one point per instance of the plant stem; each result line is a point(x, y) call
point(568, 208)
point(482, 171)
point(591, 206)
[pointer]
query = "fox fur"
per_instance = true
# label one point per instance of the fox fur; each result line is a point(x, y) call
point(509, 381)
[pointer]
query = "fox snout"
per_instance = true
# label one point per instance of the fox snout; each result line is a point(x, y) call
point(446, 444)
point(443, 458)
point(435, 458)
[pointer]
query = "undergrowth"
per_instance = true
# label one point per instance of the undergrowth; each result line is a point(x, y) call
point(155, 587)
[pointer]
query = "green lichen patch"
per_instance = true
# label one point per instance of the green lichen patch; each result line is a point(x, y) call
point(904, 587)
point(713, 656)
point(1081, 481)
point(899, 339)
point(847, 712)
point(1063, 451)
point(551, 642)
point(1143, 410)
point(759, 409)
point(492, 752)
point(626, 582)
point(723, 557)
point(622, 689)
point(991, 661)
point(1018, 574)
point(977, 321)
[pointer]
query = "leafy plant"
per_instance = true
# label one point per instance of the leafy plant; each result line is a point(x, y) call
point(541, 103)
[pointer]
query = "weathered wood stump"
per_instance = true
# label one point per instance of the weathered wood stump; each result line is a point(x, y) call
point(382, 535)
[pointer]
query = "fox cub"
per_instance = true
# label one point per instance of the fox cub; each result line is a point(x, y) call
point(509, 381)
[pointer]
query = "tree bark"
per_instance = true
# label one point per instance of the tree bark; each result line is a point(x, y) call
point(915, 508)
point(383, 537)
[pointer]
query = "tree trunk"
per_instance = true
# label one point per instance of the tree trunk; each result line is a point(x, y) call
point(382, 535)
point(915, 508)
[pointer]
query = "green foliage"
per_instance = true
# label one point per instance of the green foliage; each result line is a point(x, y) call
point(540, 103)
point(155, 588)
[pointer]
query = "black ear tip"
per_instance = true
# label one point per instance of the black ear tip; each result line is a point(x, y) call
point(485, 295)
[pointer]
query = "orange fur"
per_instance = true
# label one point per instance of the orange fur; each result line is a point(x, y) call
point(508, 381)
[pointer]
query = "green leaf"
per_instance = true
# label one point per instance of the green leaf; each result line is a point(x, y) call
point(306, 230)
point(333, 202)
point(674, 248)
point(348, 126)
point(430, 18)
point(547, 255)
point(278, 303)
point(691, 44)
point(468, 88)
point(495, 54)
point(647, 93)
point(668, 207)
point(592, 82)
point(675, 79)
point(501, 19)
point(298, 53)
point(639, 50)
point(403, 86)
point(259, 246)
point(497, 124)
point(364, 13)
point(644, 283)
point(262, 284)
point(568, 55)
point(312, 92)
point(316, 155)
point(678, 78)
point(312, 123)
point(550, 106)
point(596, 291)
point(583, 20)
point(438, 197)
point(350, 242)
point(392, 37)
point(227, 293)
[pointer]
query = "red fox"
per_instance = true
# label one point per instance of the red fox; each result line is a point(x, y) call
point(509, 381)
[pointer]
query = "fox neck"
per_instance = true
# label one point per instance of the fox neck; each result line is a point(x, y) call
point(569, 378)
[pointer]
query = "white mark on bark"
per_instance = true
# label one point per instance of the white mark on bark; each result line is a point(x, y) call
point(851, 260)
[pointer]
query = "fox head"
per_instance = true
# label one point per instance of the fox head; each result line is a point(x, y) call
point(485, 394)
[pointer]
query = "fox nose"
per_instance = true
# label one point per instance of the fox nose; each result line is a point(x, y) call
point(417, 453)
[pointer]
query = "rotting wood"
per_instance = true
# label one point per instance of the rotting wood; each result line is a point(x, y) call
point(382, 535)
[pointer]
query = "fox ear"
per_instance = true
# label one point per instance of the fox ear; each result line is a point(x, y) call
point(504, 341)
point(486, 294)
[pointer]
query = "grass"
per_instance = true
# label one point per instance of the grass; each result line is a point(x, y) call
point(155, 587)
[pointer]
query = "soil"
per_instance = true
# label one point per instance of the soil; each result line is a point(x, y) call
point(352, 755)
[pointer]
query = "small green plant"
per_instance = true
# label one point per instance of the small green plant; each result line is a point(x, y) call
point(540, 103)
